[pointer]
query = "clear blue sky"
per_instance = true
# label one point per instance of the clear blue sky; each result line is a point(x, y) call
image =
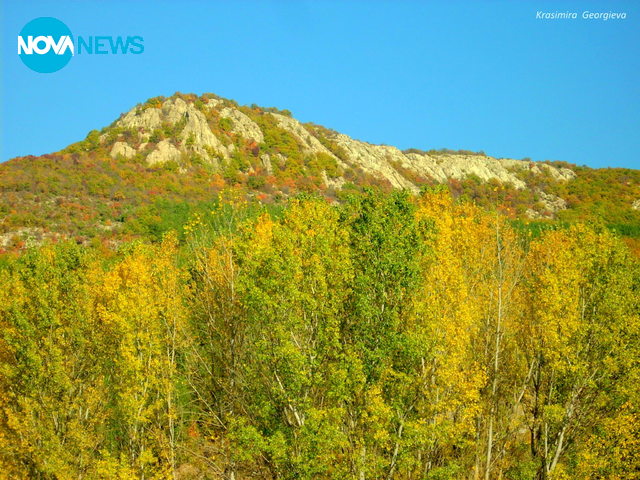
point(478, 75)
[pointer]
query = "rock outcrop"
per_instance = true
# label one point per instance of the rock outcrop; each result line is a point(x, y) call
point(551, 205)
point(122, 149)
point(194, 136)
point(164, 152)
point(242, 125)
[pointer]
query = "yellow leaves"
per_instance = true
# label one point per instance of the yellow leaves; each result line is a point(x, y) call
point(613, 451)
point(263, 232)
point(110, 468)
point(194, 224)
point(218, 267)
point(561, 266)
point(554, 284)
point(432, 205)
point(139, 302)
point(470, 302)
point(321, 368)
point(377, 414)
point(450, 309)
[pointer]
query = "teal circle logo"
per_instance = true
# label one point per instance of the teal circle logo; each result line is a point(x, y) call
point(45, 45)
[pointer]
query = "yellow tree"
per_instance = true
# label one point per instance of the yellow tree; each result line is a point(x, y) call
point(581, 331)
point(139, 307)
point(218, 346)
point(217, 351)
point(448, 318)
point(467, 307)
point(382, 350)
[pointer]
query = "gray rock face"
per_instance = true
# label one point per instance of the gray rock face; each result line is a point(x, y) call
point(164, 152)
point(149, 119)
point(198, 136)
point(552, 204)
point(444, 166)
point(382, 161)
point(310, 143)
point(195, 137)
point(266, 163)
point(123, 149)
point(376, 160)
point(243, 126)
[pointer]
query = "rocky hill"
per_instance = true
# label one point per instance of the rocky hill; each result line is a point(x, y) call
point(185, 149)
point(195, 135)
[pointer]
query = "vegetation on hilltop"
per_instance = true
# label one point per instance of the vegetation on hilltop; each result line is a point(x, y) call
point(84, 194)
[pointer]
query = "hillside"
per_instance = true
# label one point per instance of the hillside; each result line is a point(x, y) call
point(150, 168)
point(242, 296)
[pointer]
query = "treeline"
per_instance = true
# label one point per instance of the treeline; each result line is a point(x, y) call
point(390, 337)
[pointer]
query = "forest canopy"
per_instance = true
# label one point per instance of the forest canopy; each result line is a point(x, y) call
point(388, 336)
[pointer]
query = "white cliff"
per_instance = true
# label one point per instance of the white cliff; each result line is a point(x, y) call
point(195, 136)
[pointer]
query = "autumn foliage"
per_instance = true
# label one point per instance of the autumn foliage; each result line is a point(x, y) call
point(388, 336)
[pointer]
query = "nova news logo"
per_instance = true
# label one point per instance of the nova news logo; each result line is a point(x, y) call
point(46, 45)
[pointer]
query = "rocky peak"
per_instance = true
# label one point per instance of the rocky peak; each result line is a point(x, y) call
point(213, 130)
point(191, 133)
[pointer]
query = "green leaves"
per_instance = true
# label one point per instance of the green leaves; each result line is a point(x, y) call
point(387, 337)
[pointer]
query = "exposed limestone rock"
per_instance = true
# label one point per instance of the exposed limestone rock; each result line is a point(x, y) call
point(551, 202)
point(164, 152)
point(381, 161)
point(243, 126)
point(533, 215)
point(560, 174)
point(636, 205)
point(30, 235)
point(266, 163)
point(174, 110)
point(308, 141)
point(278, 159)
point(196, 136)
point(215, 102)
point(148, 119)
point(376, 160)
point(443, 167)
point(123, 149)
point(335, 183)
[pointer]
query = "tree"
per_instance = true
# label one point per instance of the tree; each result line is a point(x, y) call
point(53, 401)
point(386, 250)
point(139, 308)
point(294, 283)
point(581, 334)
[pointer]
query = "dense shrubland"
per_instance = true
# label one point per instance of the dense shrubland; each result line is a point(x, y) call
point(387, 336)
point(84, 195)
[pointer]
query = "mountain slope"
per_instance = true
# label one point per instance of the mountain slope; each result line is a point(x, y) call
point(215, 131)
point(148, 169)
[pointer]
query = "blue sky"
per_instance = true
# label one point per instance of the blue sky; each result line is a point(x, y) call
point(477, 75)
